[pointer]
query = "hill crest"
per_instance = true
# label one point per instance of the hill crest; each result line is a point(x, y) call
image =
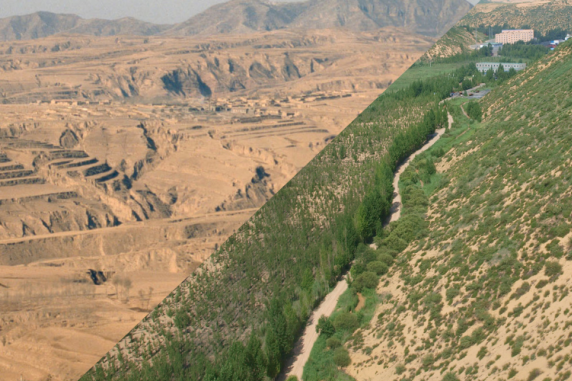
point(428, 17)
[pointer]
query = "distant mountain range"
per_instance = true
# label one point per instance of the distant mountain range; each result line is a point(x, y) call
point(427, 17)
point(44, 24)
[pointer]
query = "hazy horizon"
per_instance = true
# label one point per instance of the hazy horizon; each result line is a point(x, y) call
point(158, 12)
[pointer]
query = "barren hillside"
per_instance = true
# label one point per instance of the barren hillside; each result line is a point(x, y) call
point(154, 69)
point(427, 17)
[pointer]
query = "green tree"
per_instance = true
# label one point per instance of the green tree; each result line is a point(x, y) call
point(325, 326)
point(346, 321)
point(342, 357)
point(367, 279)
point(255, 359)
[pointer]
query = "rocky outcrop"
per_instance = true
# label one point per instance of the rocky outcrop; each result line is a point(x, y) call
point(253, 195)
point(69, 139)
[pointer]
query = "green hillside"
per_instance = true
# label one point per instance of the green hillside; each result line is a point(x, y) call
point(480, 290)
point(457, 40)
point(542, 17)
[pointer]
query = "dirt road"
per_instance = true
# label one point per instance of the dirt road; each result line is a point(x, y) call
point(295, 365)
point(396, 207)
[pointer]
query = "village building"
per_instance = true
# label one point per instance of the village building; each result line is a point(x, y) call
point(483, 67)
point(510, 36)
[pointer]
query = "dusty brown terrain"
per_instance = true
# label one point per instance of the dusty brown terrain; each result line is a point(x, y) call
point(124, 162)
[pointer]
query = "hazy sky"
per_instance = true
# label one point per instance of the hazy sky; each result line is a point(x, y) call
point(157, 11)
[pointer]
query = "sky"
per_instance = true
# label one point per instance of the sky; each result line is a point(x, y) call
point(156, 11)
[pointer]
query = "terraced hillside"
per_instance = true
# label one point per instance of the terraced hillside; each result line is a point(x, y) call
point(480, 289)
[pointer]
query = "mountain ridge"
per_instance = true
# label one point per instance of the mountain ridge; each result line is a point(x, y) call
point(45, 24)
point(427, 17)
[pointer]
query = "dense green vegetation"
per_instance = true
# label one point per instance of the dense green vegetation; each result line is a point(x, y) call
point(323, 364)
point(520, 49)
point(462, 65)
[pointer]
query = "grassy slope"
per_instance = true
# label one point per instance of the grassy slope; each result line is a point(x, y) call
point(540, 17)
point(457, 40)
point(486, 293)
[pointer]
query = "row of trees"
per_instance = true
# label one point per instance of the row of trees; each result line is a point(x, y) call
point(523, 50)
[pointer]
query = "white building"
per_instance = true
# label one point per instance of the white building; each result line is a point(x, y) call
point(510, 36)
point(483, 67)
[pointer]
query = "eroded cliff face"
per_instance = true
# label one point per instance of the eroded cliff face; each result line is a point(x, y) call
point(158, 69)
point(49, 188)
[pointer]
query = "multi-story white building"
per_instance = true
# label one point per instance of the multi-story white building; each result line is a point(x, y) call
point(510, 36)
point(483, 67)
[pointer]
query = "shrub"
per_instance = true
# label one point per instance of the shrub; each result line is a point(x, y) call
point(452, 293)
point(474, 111)
point(393, 242)
point(428, 360)
point(450, 376)
point(342, 357)
point(292, 378)
point(367, 254)
point(482, 353)
point(367, 279)
point(182, 320)
point(377, 267)
point(533, 374)
point(325, 326)
point(552, 268)
point(466, 342)
point(346, 321)
point(333, 342)
point(385, 258)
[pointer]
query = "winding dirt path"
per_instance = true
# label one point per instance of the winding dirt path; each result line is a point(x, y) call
point(295, 365)
point(301, 353)
point(396, 207)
